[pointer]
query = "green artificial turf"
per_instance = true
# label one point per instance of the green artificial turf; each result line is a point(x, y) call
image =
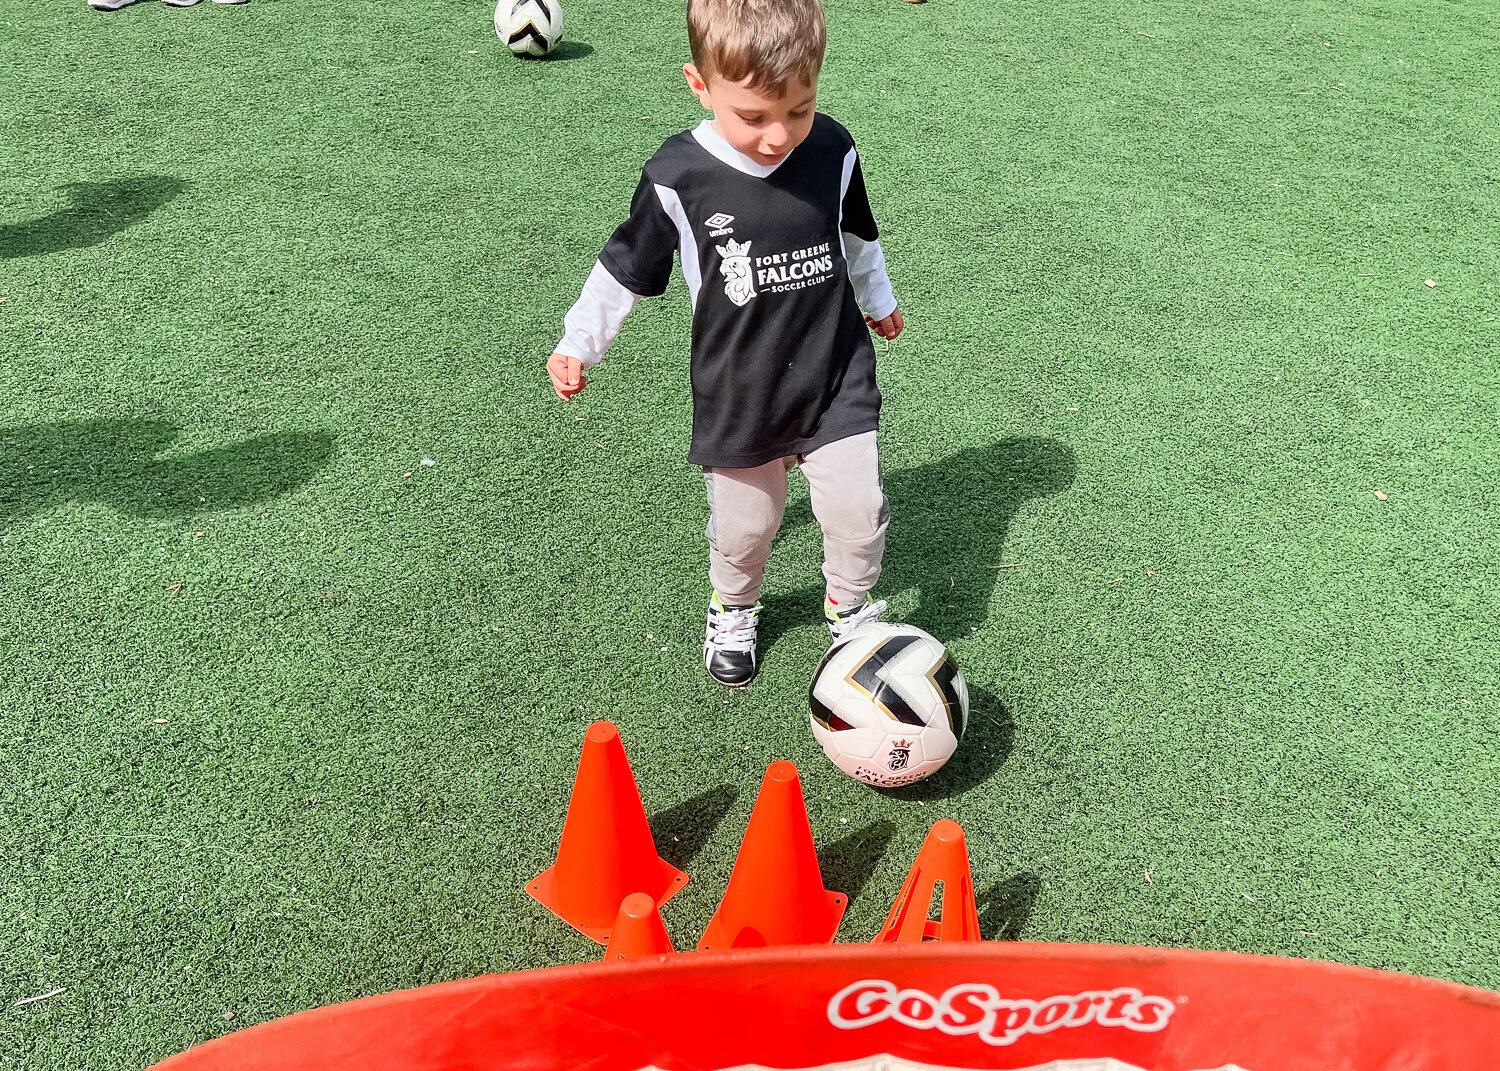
point(288, 717)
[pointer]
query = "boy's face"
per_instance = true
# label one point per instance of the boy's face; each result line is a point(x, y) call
point(764, 128)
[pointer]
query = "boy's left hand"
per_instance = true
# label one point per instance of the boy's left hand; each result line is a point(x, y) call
point(888, 328)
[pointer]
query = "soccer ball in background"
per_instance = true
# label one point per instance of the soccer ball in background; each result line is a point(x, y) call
point(888, 704)
point(529, 27)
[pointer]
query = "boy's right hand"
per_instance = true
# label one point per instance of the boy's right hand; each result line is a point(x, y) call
point(567, 376)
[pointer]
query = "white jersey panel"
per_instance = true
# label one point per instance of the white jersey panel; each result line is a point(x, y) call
point(687, 247)
point(850, 159)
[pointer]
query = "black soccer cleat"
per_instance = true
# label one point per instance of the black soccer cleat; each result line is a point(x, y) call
point(729, 642)
point(842, 625)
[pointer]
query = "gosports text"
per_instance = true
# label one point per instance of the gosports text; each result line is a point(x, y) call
point(978, 1008)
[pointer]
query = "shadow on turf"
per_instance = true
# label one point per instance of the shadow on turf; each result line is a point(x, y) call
point(682, 831)
point(95, 211)
point(115, 462)
point(848, 863)
point(949, 521)
point(1005, 907)
point(569, 50)
point(987, 744)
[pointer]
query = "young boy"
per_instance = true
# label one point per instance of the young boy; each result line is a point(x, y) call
point(765, 206)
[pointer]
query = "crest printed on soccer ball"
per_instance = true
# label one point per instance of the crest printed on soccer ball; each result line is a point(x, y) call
point(888, 705)
point(529, 27)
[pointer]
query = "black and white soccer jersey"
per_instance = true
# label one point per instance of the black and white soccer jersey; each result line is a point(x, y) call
point(778, 261)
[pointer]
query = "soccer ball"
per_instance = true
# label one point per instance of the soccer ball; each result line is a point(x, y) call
point(888, 704)
point(529, 27)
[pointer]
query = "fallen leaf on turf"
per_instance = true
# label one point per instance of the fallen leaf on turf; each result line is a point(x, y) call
point(1380, 495)
point(1310, 933)
point(199, 535)
point(1429, 282)
point(176, 587)
point(406, 475)
point(1148, 878)
point(427, 462)
point(1117, 579)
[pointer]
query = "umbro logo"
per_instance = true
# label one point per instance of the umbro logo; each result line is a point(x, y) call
point(719, 223)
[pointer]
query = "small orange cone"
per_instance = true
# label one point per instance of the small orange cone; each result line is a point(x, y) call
point(606, 852)
point(943, 858)
point(638, 930)
point(776, 894)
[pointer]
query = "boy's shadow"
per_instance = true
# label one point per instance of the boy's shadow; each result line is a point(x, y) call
point(949, 522)
point(95, 211)
point(114, 462)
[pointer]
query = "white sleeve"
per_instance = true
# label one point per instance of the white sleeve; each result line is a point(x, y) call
point(590, 326)
point(872, 286)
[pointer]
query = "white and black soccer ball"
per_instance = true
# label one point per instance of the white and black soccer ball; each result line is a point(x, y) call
point(529, 27)
point(889, 705)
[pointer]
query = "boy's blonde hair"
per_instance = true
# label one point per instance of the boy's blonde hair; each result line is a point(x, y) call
point(774, 42)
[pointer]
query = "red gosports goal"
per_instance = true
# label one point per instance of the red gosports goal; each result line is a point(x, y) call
point(896, 1008)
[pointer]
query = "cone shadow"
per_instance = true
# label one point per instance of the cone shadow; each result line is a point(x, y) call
point(848, 863)
point(1006, 906)
point(682, 831)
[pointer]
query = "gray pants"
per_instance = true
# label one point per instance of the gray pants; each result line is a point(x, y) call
point(746, 506)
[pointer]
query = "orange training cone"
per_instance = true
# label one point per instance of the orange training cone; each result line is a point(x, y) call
point(943, 858)
point(606, 852)
point(638, 930)
point(776, 894)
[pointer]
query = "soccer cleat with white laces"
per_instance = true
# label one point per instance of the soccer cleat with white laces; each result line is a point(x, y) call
point(841, 625)
point(729, 642)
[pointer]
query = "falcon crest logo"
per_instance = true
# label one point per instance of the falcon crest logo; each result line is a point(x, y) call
point(900, 755)
point(739, 282)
